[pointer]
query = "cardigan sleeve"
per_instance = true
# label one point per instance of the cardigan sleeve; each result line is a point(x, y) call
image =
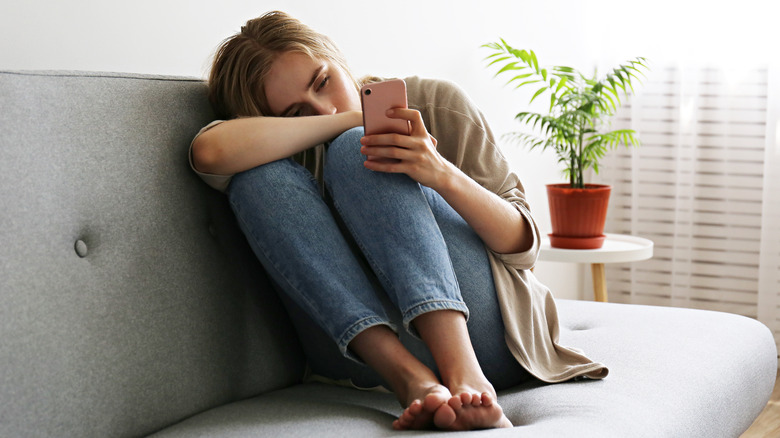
point(465, 139)
point(218, 182)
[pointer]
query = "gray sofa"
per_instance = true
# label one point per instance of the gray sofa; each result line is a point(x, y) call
point(130, 304)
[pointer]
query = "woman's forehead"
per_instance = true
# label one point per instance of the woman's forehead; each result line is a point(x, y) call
point(291, 74)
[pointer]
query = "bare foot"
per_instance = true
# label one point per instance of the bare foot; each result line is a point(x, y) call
point(474, 404)
point(419, 414)
point(469, 410)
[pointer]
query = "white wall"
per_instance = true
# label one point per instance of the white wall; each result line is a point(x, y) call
point(435, 38)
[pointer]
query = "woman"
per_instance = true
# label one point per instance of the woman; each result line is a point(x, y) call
point(421, 210)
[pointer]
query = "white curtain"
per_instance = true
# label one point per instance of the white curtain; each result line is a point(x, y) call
point(705, 187)
point(769, 268)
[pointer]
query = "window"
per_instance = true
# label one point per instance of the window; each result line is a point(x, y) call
point(704, 187)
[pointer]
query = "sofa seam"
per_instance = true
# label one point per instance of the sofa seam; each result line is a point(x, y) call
point(107, 75)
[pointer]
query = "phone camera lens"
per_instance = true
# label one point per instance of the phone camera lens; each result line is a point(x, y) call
point(368, 91)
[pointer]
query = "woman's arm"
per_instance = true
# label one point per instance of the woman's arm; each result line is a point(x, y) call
point(498, 223)
point(240, 144)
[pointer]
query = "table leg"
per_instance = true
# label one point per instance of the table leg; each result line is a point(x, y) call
point(599, 282)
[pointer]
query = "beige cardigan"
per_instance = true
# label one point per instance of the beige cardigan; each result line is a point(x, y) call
point(527, 306)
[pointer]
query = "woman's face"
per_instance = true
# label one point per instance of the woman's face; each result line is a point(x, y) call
point(298, 85)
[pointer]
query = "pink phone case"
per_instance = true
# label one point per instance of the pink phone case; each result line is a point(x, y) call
point(379, 97)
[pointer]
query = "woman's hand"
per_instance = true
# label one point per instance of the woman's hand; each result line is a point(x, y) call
point(499, 224)
point(414, 154)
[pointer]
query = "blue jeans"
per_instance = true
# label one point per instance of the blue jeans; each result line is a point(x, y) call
point(384, 251)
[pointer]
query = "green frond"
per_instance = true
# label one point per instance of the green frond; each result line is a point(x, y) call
point(532, 81)
point(509, 66)
point(612, 105)
point(497, 60)
point(535, 61)
point(522, 76)
point(579, 110)
point(561, 84)
point(538, 92)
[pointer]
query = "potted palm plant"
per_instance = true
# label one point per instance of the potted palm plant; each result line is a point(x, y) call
point(574, 127)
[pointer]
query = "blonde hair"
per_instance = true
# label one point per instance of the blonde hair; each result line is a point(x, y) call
point(242, 62)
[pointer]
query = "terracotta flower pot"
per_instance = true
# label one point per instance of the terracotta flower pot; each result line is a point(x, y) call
point(578, 215)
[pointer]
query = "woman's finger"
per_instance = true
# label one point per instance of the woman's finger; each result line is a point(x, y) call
point(393, 152)
point(399, 140)
point(413, 116)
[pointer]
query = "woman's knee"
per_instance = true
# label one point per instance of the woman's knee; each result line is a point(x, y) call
point(345, 149)
point(349, 138)
point(273, 179)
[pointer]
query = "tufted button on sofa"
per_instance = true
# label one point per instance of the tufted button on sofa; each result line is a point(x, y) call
point(131, 305)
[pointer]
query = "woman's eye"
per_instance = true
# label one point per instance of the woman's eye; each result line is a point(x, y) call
point(301, 111)
point(324, 82)
point(294, 112)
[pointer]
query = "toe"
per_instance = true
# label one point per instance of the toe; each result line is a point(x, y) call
point(456, 402)
point(445, 415)
point(415, 408)
point(432, 402)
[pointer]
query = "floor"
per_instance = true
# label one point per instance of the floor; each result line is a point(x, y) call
point(768, 423)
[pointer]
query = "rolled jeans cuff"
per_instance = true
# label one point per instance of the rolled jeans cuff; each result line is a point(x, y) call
point(355, 330)
point(432, 306)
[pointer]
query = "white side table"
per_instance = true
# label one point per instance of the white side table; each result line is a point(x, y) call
point(617, 248)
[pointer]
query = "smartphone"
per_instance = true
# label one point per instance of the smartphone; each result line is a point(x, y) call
point(376, 99)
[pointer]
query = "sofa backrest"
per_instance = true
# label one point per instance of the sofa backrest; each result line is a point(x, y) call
point(129, 300)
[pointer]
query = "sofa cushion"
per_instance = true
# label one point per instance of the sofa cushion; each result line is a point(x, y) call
point(129, 298)
point(673, 373)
